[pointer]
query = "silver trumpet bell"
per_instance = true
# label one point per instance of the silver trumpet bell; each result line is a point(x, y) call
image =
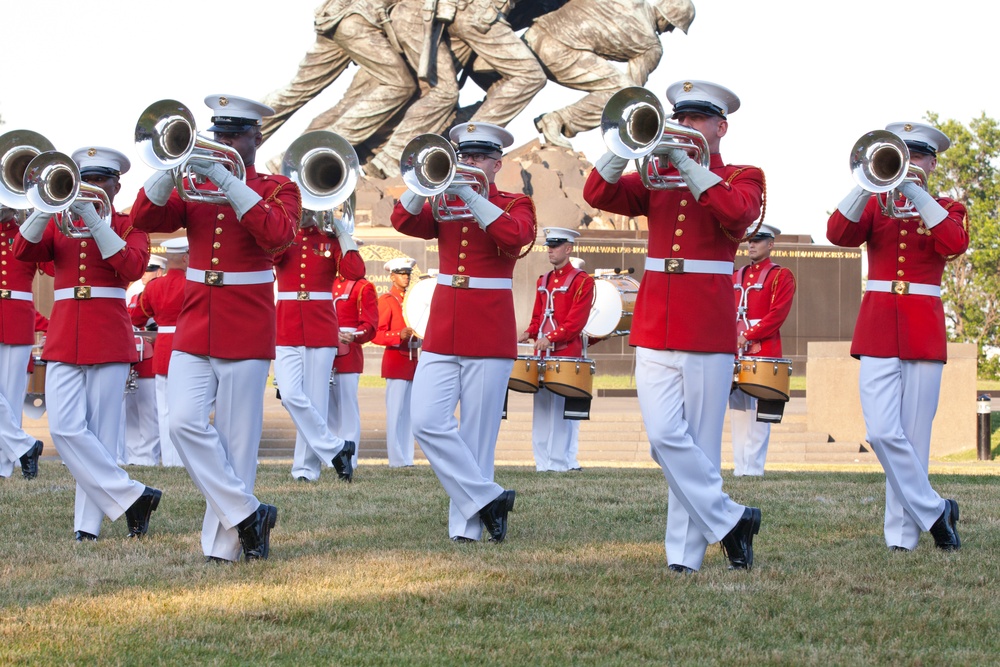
point(17, 149)
point(52, 183)
point(880, 163)
point(326, 169)
point(635, 127)
point(166, 137)
point(429, 166)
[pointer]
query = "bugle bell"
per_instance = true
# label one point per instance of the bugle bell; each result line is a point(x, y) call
point(52, 183)
point(880, 163)
point(326, 169)
point(166, 137)
point(429, 166)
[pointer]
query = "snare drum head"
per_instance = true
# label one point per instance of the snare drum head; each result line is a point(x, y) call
point(417, 305)
point(606, 311)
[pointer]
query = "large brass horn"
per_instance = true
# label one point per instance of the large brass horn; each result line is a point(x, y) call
point(880, 163)
point(326, 169)
point(429, 166)
point(52, 183)
point(17, 149)
point(635, 126)
point(166, 137)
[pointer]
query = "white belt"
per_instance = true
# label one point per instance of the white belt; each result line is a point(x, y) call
point(679, 265)
point(903, 287)
point(305, 296)
point(166, 329)
point(89, 292)
point(221, 278)
point(15, 295)
point(471, 282)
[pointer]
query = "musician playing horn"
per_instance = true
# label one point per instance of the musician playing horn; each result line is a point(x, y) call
point(684, 324)
point(471, 340)
point(764, 293)
point(900, 336)
point(90, 345)
point(563, 298)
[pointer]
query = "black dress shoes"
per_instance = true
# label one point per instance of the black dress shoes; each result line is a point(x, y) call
point(943, 530)
point(680, 569)
point(29, 462)
point(213, 560)
point(899, 548)
point(255, 532)
point(738, 543)
point(81, 536)
point(494, 515)
point(343, 462)
point(137, 516)
point(462, 539)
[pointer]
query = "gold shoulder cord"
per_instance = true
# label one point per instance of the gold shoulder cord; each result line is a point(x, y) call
point(273, 197)
point(534, 227)
point(763, 207)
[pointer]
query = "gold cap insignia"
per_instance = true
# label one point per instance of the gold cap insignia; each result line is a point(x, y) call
point(688, 86)
point(471, 127)
point(223, 101)
point(91, 152)
point(907, 128)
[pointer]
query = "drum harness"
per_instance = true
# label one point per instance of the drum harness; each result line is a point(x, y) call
point(741, 309)
point(548, 321)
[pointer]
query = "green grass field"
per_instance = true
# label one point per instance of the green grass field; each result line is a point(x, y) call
point(364, 574)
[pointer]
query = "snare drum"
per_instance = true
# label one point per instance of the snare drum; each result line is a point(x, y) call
point(569, 376)
point(526, 374)
point(614, 303)
point(417, 305)
point(764, 377)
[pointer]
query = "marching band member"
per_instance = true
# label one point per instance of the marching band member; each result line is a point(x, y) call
point(225, 335)
point(900, 337)
point(89, 346)
point(471, 340)
point(764, 293)
point(307, 343)
point(684, 324)
point(161, 302)
point(563, 298)
point(357, 315)
point(17, 337)
point(399, 362)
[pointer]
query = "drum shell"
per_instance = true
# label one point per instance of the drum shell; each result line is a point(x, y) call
point(417, 305)
point(764, 377)
point(526, 374)
point(570, 377)
point(36, 379)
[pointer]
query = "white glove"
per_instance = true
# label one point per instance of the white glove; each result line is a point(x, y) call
point(344, 237)
point(482, 209)
point(412, 202)
point(611, 167)
point(854, 203)
point(930, 211)
point(159, 186)
point(34, 226)
point(698, 178)
point(239, 194)
point(107, 239)
point(86, 212)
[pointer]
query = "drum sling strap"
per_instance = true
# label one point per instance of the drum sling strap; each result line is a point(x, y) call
point(550, 306)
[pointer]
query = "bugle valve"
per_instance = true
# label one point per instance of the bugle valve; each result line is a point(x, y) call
point(429, 166)
point(326, 168)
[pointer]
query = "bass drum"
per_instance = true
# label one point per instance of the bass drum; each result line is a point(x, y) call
point(417, 305)
point(614, 302)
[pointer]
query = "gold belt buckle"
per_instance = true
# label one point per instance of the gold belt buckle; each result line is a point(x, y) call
point(81, 292)
point(900, 287)
point(302, 296)
point(4, 293)
point(214, 278)
point(460, 282)
point(673, 265)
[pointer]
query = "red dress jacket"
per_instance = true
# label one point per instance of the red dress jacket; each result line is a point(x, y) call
point(571, 309)
point(357, 307)
point(688, 311)
point(905, 326)
point(399, 361)
point(767, 307)
point(17, 316)
point(474, 322)
point(97, 330)
point(162, 300)
point(310, 265)
point(231, 321)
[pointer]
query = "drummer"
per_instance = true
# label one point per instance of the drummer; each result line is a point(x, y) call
point(764, 293)
point(563, 300)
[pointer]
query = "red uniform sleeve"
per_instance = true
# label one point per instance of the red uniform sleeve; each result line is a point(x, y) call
point(515, 227)
point(386, 335)
point(537, 311)
point(131, 261)
point(42, 252)
point(848, 234)
point(352, 266)
point(367, 314)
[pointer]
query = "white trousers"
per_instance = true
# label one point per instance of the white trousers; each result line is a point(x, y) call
point(85, 413)
point(682, 396)
point(554, 439)
point(142, 428)
point(304, 382)
point(899, 399)
point(219, 454)
point(461, 454)
point(750, 437)
point(398, 425)
point(343, 417)
point(14, 442)
point(168, 453)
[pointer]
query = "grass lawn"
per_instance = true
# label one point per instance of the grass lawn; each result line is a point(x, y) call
point(364, 574)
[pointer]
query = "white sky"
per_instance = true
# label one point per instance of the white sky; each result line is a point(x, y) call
point(812, 77)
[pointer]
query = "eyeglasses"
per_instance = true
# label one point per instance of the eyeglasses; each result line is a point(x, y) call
point(476, 157)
